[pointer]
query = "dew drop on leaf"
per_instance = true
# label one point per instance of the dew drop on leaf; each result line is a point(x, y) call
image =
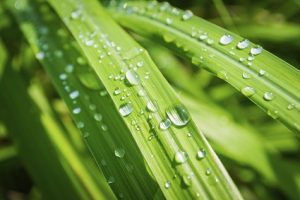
point(262, 72)
point(256, 50)
point(125, 109)
point(187, 15)
point(74, 94)
point(248, 91)
point(111, 180)
point(243, 44)
point(40, 55)
point(246, 75)
point(268, 96)
point(98, 117)
point(132, 77)
point(120, 152)
point(201, 154)
point(181, 157)
point(89, 80)
point(76, 110)
point(273, 113)
point(151, 106)
point(169, 21)
point(187, 180)
point(165, 124)
point(226, 39)
point(208, 172)
point(167, 184)
point(178, 114)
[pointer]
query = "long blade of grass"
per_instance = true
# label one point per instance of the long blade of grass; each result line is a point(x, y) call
point(120, 64)
point(268, 81)
point(59, 170)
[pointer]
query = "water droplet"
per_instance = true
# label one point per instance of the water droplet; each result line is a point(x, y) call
point(98, 117)
point(246, 75)
point(117, 91)
point(273, 113)
point(222, 75)
point(74, 94)
point(187, 15)
point(140, 64)
point(169, 21)
point(189, 134)
point(80, 125)
point(75, 14)
point(203, 36)
point(125, 109)
point(243, 44)
point(248, 91)
point(132, 53)
point(76, 110)
point(151, 106)
point(201, 154)
point(268, 96)
point(226, 39)
point(208, 172)
point(165, 124)
point(291, 106)
point(63, 76)
point(167, 184)
point(169, 37)
point(111, 180)
point(178, 114)
point(40, 55)
point(89, 43)
point(210, 41)
point(262, 72)
point(103, 93)
point(141, 92)
point(104, 127)
point(86, 134)
point(256, 50)
point(120, 152)
point(181, 157)
point(251, 58)
point(69, 68)
point(187, 180)
point(132, 77)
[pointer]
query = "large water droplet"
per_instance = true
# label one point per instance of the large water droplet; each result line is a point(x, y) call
point(120, 152)
point(181, 157)
point(187, 15)
point(256, 50)
point(132, 77)
point(201, 154)
point(125, 109)
point(248, 91)
point(165, 124)
point(226, 39)
point(268, 96)
point(178, 114)
point(243, 44)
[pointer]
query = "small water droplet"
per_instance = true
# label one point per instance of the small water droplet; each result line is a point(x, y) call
point(222, 75)
point(103, 93)
point(63, 76)
point(208, 172)
point(165, 124)
point(256, 50)
point(181, 157)
point(86, 134)
point(120, 152)
point(151, 106)
point(187, 15)
point(246, 75)
point(201, 154)
point(125, 109)
point(187, 180)
point(89, 80)
point(140, 64)
point(104, 127)
point(141, 92)
point(273, 113)
point(203, 36)
point(111, 180)
point(76, 110)
point(167, 184)
point(98, 117)
point(75, 14)
point(40, 55)
point(243, 44)
point(291, 106)
point(169, 21)
point(226, 39)
point(80, 125)
point(248, 91)
point(74, 94)
point(69, 68)
point(89, 43)
point(178, 114)
point(268, 96)
point(132, 77)
point(262, 72)
point(210, 41)
point(117, 91)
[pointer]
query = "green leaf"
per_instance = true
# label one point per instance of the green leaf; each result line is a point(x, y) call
point(268, 81)
point(118, 64)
